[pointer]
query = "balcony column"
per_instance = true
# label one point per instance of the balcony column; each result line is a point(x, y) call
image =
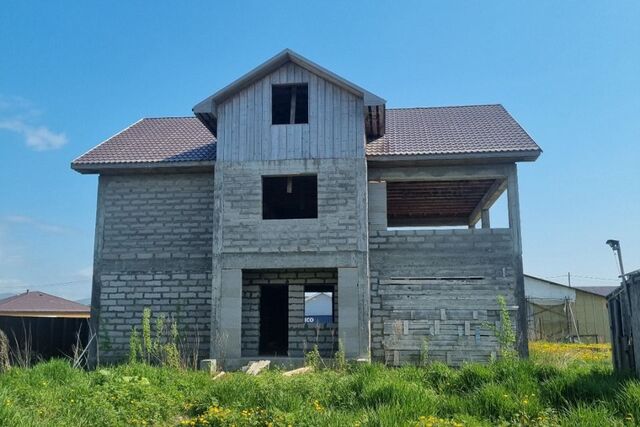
point(485, 218)
point(522, 343)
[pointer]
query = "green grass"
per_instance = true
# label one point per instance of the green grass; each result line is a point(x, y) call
point(502, 393)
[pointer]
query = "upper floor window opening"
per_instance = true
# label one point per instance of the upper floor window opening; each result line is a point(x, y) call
point(290, 197)
point(290, 104)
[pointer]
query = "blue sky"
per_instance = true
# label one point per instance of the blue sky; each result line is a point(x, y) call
point(73, 74)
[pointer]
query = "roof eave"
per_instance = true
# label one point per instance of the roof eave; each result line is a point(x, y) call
point(49, 314)
point(98, 168)
point(503, 156)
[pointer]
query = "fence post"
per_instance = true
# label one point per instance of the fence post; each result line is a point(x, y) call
point(632, 285)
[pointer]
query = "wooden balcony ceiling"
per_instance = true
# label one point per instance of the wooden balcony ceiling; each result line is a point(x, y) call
point(437, 202)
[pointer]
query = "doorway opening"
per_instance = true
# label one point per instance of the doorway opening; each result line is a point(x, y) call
point(274, 320)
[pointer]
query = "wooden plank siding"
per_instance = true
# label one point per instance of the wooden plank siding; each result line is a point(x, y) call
point(592, 317)
point(335, 128)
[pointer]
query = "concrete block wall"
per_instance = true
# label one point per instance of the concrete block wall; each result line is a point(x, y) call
point(439, 285)
point(157, 216)
point(250, 316)
point(302, 336)
point(153, 249)
point(336, 239)
point(339, 224)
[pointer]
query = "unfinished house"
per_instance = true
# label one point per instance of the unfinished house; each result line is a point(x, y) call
point(292, 182)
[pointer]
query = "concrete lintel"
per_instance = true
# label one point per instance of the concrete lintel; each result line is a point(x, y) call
point(277, 260)
point(440, 173)
point(290, 166)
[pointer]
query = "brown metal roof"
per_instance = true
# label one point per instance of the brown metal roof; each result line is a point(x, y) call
point(40, 304)
point(435, 131)
point(154, 140)
point(451, 130)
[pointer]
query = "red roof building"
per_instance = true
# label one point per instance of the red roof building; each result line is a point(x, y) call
point(40, 304)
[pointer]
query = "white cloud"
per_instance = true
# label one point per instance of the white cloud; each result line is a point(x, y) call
point(18, 106)
point(39, 138)
point(43, 226)
point(18, 115)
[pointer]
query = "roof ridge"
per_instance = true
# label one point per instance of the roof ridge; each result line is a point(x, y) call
point(445, 106)
point(41, 293)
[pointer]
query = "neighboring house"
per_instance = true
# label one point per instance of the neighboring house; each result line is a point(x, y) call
point(603, 291)
point(318, 307)
point(48, 324)
point(291, 180)
point(557, 312)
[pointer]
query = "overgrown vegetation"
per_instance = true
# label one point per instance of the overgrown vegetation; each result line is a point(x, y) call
point(505, 332)
point(160, 344)
point(340, 358)
point(545, 391)
point(4, 352)
point(424, 352)
point(313, 359)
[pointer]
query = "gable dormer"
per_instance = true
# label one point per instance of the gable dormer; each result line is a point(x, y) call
point(291, 108)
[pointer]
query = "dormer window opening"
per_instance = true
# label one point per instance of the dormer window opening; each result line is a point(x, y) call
point(289, 104)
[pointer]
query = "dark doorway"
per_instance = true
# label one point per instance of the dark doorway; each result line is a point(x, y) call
point(274, 320)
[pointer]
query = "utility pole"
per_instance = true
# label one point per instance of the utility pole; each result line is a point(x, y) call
point(569, 278)
point(615, 245)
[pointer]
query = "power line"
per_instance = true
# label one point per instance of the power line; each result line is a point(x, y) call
point(596, 278)
point(582, 277)
point(27, 285)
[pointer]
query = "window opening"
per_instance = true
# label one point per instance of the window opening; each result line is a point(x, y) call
point(318, 304)
point(289, 104)
point(289, 197)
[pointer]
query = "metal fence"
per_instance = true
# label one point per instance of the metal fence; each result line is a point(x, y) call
point(624, 320)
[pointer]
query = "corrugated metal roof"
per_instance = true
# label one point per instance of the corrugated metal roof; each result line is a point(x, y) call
point(598, 290)
point(409, 131)
point(38, 303)
point(451, 130)
point(154, 140)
